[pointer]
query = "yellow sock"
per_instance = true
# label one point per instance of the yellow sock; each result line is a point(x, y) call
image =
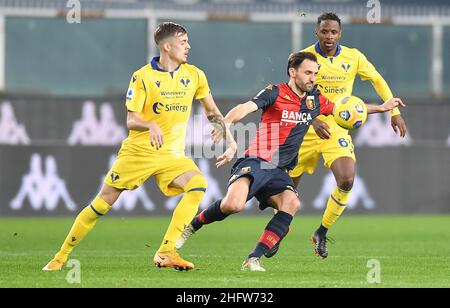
point(184, 212)
point(335, 207)
point(83, 224)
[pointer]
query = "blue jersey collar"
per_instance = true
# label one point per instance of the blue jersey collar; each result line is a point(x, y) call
point(319, 51)
point(154, 64)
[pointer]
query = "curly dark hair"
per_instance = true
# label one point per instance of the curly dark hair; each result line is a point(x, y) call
point(328, 16)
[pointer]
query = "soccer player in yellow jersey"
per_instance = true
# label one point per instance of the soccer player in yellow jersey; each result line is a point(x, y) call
point(338, 67)
point(159, 102)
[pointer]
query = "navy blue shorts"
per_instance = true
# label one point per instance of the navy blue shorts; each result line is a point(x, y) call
point(265, 179)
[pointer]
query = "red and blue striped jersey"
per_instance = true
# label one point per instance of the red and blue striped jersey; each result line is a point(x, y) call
point(285, 120)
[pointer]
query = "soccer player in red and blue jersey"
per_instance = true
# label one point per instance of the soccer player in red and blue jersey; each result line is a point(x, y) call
point(263, 172)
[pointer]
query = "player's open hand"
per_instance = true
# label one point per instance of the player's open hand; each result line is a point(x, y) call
point(398, 125)
point(156, 135)
point(322, 129)
point(393, 103)
point(226, 157)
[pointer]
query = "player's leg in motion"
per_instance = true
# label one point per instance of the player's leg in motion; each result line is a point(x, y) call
point(287, 204)
point(233, 202)
point(343, 169)
point(194, 185)
point(83, 224)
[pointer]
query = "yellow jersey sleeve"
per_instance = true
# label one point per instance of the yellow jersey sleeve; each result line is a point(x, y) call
point(136, 93)
point(368, 72)
point(203, 87)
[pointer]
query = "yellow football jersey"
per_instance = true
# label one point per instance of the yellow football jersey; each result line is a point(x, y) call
point(337, 75)
point(164, 98)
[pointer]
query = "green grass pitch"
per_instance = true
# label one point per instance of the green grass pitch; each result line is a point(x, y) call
point(413, 251)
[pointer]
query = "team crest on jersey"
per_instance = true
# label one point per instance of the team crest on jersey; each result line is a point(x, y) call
point(185, 82)
point(346, 66)
point(114, 177)
point(310, 102)
point(246, 170)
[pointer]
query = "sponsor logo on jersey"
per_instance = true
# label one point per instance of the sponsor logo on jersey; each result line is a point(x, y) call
point(295, 117)
point(130, 93)
point(287, 97)
point(160, 107)
point(335, 90)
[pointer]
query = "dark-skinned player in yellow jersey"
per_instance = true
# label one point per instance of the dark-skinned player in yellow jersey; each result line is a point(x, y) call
point(339, 66)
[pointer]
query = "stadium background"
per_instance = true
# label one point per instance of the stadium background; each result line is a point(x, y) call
point(62, 95)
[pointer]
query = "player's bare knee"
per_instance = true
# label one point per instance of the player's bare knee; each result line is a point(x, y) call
point(231, 205)
point(109, 194)
point(296, 204)
point(291, 205)
point(345, 182)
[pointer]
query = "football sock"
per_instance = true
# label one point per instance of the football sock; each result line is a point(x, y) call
point(83, 224)
point(211, 214)
point(184, 212)
point(335, 207)
point(275, 231)
point(322, 231)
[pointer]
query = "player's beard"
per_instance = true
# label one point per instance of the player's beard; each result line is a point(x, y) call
point(305, 87)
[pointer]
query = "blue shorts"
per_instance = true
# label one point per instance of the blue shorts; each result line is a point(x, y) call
point(265, 179)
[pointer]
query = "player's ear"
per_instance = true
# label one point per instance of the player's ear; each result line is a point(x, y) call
point(291, 72)
point(165, 45)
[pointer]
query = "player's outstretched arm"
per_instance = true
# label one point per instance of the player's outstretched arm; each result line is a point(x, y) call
point(234, 115)
point(367, 71)
point(240, 111)
point(135, 122)
point(387, 106)
point(215, 117)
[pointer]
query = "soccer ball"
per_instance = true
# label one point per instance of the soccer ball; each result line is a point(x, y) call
point(350, 112)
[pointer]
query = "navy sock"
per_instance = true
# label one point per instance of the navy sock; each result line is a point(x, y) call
point(322, 231)
point(275, 231)
point(210, 215)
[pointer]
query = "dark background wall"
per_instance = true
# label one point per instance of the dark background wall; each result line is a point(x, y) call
point(44, 174)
